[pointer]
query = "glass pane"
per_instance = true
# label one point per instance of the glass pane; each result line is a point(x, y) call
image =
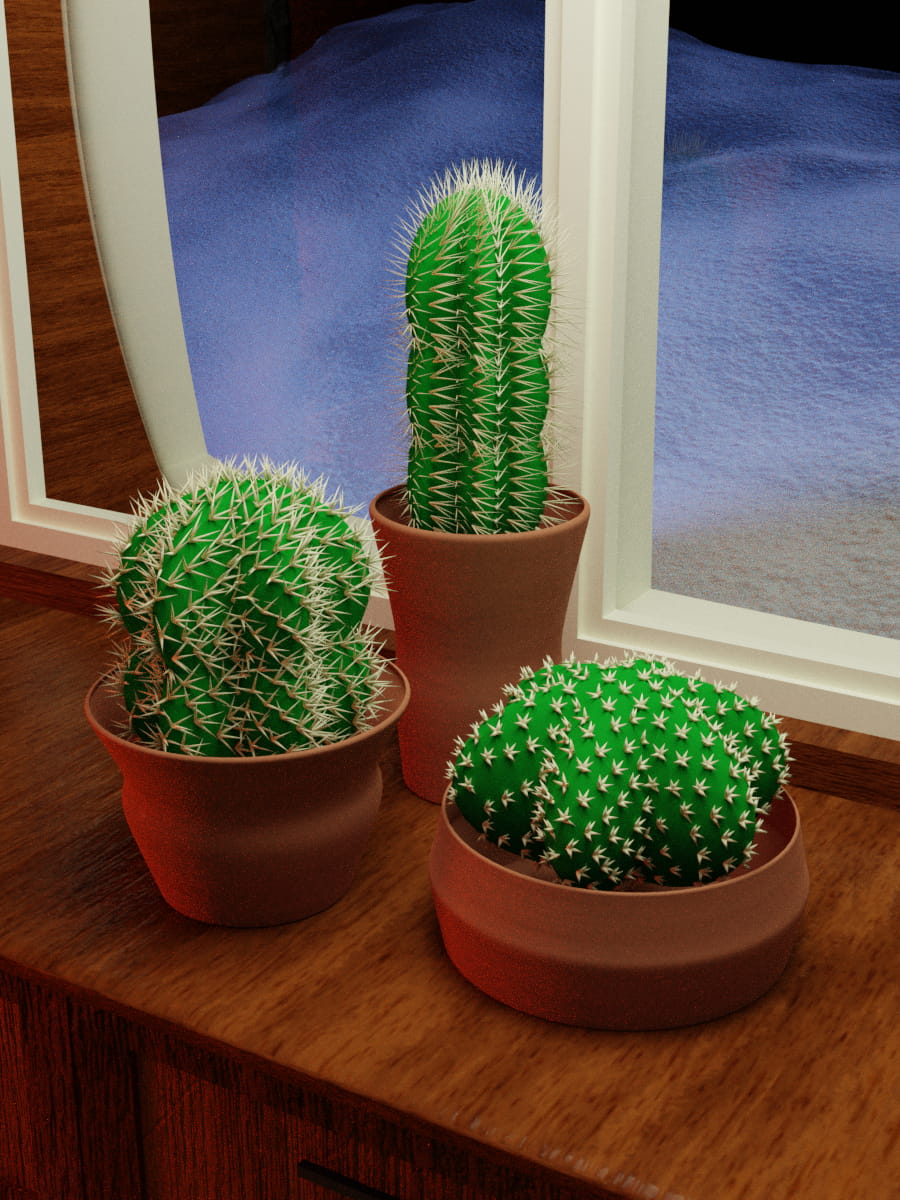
point(777, 461)
point(285, 193)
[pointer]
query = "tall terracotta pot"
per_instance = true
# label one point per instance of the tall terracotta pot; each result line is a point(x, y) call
point(469, 610)
point(250, 841)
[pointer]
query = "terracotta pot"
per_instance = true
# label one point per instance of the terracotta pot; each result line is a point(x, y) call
point(651, 959)
point(469, 610)
point(250, 841)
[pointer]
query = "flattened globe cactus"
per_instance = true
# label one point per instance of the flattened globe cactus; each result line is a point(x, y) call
point(620, 772)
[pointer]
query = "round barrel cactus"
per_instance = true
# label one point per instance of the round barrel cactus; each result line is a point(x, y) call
point(621, 772)
point(241, 596)
point(477, 298)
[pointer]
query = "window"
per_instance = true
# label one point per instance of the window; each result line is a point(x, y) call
point(603, 141)
point(613, 95)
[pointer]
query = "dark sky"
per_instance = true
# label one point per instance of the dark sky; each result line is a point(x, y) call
point(794, 30)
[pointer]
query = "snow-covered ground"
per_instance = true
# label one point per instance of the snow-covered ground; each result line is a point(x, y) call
point(285, 195)
point(778, 392)
point(778, 416)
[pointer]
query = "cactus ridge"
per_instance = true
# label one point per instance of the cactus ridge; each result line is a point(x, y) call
point(242, 596)
point(478, 297)
point(612, 773)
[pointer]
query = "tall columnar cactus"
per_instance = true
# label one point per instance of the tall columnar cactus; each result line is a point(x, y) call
point(617, 772)
point(241, 596)
point(478, 296)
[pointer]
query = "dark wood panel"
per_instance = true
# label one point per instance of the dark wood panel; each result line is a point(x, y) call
point(105, 1075)
point(203, 47)
point(17, 1151)
point(12, 1191)
point(136, 1111)
point(208, 1141)
point(96, 451)
point(50, 1099)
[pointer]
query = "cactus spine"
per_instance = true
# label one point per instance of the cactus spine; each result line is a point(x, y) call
point(241, 597)
point(613, 773)
point(478, 296)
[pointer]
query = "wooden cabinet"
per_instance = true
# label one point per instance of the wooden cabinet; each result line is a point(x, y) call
point(96, 1104)
point(147, 1056)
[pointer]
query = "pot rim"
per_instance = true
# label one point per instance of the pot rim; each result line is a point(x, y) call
point(582, 514)
point(247, 760)
point(657, 895)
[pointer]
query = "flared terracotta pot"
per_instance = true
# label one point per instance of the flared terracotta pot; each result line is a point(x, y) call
point(636, 960)
point(250, 841)
point(469, 610)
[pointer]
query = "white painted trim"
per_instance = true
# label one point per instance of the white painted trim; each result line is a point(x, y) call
point(831, 676)
point(28, 520)
point(109, 49)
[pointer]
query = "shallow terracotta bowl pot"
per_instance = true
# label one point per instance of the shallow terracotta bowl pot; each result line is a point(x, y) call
point(618, 960)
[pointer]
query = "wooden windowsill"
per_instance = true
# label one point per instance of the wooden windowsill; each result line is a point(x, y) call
point(853, 765)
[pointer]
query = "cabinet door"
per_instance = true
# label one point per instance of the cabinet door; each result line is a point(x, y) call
point(67, 1127)
point(216, 1129)
point(95, 1106)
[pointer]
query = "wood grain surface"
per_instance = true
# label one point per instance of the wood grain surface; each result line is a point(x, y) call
point(796, 1096)
point(95, 449)
point(123, 1025)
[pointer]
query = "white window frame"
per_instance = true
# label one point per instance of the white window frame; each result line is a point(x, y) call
point(603, 134)
point(113, 99)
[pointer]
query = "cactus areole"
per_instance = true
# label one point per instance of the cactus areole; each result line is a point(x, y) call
point(618, 773)
point(477, 299)
point(241, 597)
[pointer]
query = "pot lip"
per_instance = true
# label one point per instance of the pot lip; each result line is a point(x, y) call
point(244, 761)
point(672, 894)
point(580, 516)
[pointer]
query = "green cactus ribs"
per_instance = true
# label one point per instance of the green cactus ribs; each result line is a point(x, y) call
point(619, 772)
point(242, 596)
point(478, 298)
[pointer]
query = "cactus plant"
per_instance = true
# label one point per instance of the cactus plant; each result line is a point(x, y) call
point(241, 597)
point(477, 300)
point(620, 772)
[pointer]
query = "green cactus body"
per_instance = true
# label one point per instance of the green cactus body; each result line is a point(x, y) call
point(611, 773)
point(242, 596)
point(478, 296)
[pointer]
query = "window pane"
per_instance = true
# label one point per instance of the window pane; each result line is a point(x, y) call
point(777, 461)
point(285, 194)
